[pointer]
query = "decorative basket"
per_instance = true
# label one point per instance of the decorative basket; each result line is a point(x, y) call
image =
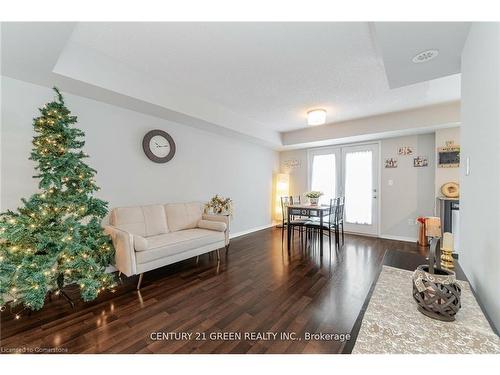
point(437, 294)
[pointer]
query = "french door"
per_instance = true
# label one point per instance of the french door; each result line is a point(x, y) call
point(353, 172)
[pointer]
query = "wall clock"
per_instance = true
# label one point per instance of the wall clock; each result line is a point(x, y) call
point(158, 146)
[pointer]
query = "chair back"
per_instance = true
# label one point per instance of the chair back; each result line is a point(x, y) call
point(285, 201)
point(340, 210)
point(333, 211)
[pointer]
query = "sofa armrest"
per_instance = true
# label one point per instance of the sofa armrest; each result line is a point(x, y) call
point(124, 249)
point(218, 226)
point(222, 219)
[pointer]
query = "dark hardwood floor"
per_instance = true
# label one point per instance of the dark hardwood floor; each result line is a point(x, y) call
point(257, 288)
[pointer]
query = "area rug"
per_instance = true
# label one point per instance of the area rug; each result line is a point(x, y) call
point(392, 323)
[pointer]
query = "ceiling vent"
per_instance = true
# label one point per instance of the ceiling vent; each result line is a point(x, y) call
point(425, 56)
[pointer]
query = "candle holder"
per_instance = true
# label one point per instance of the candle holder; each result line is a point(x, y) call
point(447, 261)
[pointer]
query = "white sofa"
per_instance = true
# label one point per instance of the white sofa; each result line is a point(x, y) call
point(153, 236)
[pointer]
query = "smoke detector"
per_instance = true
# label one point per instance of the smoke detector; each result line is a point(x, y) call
point(425, 56)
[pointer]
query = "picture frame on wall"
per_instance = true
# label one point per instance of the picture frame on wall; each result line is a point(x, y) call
point(405, 150)
point(449, 156)
point(420, 161)
point(391, 163)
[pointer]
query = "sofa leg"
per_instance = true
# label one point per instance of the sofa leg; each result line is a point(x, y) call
point(140, 281)
point(218, 255)
point(197, 259)
point(227, 248)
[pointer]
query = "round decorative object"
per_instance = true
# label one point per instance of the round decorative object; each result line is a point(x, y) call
point(450, 190)
point(437, 294)
point(158, 146)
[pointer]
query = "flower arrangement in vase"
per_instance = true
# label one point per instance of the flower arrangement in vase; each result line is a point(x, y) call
point(314, 197)
point(219, 205)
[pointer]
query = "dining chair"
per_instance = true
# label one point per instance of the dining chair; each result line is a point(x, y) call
point(296, 200)
point(331, 223)
point(295, 224)
point(340, 217)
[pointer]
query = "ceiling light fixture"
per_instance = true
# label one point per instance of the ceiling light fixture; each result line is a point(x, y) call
point(316, 116)
point(425, 56)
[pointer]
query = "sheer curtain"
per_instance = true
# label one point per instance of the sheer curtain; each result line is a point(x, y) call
point(358, 187)
point(323, 177)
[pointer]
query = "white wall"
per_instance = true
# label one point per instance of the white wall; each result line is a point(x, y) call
point(412, 191)
point(480, 137)
point(444, 175)
point(204, 164)
point(298, 174)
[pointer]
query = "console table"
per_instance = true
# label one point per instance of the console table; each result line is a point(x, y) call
point(404, 261)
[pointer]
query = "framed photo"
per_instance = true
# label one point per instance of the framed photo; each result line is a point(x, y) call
point(449, 157)
point(292, 163)
point(391, 163)
point(405, 150)
point(420, 161)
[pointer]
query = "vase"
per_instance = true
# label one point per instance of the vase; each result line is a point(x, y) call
point(313, 201)
point(437, 294)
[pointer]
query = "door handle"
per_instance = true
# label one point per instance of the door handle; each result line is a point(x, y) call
point(374, 197)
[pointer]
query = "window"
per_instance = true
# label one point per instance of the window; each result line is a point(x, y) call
point(358, 187)
point(323, 176)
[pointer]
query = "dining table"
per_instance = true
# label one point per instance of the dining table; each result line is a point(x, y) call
point(307, 210)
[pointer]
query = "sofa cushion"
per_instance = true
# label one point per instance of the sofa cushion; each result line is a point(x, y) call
point(164, 245)
point(129, 219)
point(141, 220)
point(182, 216)
point(212, 225)
point(155, 220)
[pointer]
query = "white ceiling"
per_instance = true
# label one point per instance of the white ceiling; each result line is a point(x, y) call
point(399, 42)
point(257, 79)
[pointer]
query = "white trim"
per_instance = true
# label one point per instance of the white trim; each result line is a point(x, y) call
point(361, 234)
point(251, 230)
point(110, 268)
point(398, 238)
point(379, 188)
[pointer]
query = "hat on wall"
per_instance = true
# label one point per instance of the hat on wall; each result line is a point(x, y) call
point(450, 190)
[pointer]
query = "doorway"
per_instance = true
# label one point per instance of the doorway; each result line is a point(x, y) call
point(351, 171)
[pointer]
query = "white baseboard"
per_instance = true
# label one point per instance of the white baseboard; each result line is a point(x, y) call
point(110, 269)
point(398, 238)
point(255, 229)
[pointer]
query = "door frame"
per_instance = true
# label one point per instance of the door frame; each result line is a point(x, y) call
point(337, 148)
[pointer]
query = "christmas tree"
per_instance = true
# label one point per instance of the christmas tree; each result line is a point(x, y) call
point(55, 238)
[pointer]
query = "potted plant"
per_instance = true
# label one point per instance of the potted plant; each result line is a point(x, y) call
point(314, 197)
point(219, 205)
